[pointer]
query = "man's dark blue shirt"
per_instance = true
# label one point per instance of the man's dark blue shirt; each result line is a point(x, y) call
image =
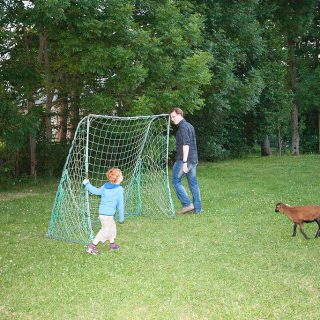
point(186, 136)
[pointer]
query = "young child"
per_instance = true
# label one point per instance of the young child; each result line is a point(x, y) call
point(112, 198)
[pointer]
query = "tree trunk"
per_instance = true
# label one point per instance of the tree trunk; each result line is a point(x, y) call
point(33, 158)
point(62, 120)
point(32, 147)
point(30, 105)
point(316, 52)
point(16, 158)
point(316, 63)
point(74, 116)
point(49, 89)
point(319, 131)
point(279, 141)
point(295, 107)
point(295, 130)
point(265, 147)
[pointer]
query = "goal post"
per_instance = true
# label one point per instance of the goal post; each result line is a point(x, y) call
point(136, 145)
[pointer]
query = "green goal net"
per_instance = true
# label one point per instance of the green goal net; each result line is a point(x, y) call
point(136, 145)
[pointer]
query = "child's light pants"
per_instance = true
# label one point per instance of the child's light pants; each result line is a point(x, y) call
point(108, 230)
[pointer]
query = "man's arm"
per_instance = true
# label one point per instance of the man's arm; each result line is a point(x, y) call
point(185, 150)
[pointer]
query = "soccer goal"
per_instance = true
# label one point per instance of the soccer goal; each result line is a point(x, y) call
point(136, 145)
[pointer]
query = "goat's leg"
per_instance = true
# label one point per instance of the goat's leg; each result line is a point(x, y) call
point(294, 229)
point(318, 232)
point(301, 230)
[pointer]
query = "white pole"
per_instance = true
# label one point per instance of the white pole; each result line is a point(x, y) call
point(167, 169)
point(87, 176)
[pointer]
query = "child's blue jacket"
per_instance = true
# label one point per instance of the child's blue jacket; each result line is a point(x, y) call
point(112, 198)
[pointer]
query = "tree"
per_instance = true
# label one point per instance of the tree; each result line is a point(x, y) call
point(111, 57)
point(308, 91)
point(294, 18)
point(19, 70)
point(234, 37)
point(271, 118)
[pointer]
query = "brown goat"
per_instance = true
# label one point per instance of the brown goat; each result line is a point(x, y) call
point(299, 215)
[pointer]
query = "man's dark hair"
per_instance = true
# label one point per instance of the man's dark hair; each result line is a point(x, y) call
point(177, 110)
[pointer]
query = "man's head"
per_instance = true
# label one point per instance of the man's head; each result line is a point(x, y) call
point(176, 115)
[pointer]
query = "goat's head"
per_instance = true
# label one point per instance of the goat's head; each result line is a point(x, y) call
point(278, 207)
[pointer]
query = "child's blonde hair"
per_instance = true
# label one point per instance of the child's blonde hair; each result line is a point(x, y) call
point(113, 174)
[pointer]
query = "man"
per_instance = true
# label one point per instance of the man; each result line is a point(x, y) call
point(186, 163)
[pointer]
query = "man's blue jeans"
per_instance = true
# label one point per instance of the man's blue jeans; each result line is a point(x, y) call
point(177, 174)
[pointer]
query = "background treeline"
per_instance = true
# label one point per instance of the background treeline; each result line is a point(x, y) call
point(245, 72)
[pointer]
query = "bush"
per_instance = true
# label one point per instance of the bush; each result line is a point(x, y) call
point(51, 158)
point(309, 144)
point(214, 151)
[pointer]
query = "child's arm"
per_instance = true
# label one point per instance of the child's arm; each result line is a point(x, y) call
point(120, 206)
point(92, 189)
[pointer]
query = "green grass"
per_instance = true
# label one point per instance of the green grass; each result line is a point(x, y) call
point(235, 261)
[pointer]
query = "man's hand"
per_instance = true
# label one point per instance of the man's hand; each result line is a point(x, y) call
point(85, 181)
point(185, 168)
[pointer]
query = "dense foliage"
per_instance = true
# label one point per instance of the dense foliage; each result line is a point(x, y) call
point(245, 73)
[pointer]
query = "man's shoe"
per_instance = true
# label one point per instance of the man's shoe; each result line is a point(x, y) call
point(186, 209)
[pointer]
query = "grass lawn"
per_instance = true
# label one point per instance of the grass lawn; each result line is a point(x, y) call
point(235, 261)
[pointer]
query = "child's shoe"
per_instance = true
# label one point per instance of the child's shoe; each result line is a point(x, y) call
point(114, 247)
point(92, 249)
